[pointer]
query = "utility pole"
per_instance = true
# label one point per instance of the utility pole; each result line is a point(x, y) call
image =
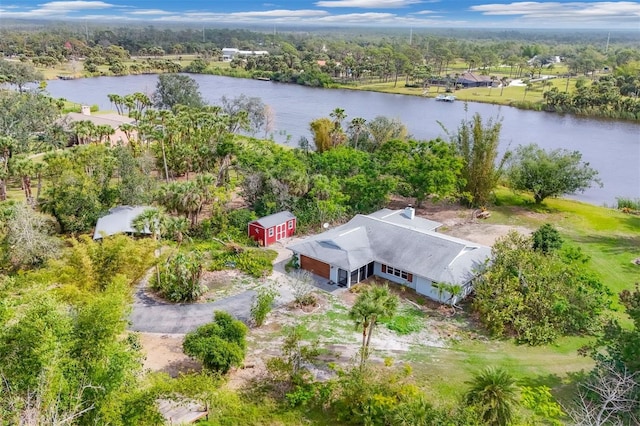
point(411, 36)
point(203, 34)
point(606, 49)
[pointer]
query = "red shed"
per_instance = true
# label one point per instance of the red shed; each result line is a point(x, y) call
point(269, 229)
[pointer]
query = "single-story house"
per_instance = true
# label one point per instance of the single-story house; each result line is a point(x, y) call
point(469, 79)
point(397, 246)
point(120, 221)
point(269, 229)
point(115, 121)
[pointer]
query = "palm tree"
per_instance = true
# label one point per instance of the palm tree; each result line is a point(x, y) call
point(494, 392)
point(154, 221)
point(357, 126)
point(371, 305)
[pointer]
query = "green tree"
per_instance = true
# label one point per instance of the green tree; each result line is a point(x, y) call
point(219, 345)
point(546, 239)
point(177, 89)
point(322, 129)
point(29, 240)
point(371, 305)
point(495, 393)
point(537, 297)
point(74, 201)
point(549, 174)
point(478, 143)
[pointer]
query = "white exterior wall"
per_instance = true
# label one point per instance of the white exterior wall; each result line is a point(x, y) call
point(423, 287)
point(377, 270)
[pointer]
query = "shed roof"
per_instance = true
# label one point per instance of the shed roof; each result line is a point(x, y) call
point(274, 219)
point(417, 250)
point(119, 220)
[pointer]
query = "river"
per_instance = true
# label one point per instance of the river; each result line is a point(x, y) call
point(611, 147)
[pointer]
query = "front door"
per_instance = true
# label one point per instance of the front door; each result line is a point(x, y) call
point(281, 231)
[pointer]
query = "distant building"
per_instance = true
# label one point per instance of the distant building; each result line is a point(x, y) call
point(229, 53)
point(469, 79)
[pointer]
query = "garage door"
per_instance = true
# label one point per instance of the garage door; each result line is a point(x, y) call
point(315, 266)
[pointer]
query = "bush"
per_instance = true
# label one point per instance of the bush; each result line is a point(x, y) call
point(262, 304)
point(546, 239)
point(180, 278)
point(628, 204)
point(219, 345)
point(255, 262)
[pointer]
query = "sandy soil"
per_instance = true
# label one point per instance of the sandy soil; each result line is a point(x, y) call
point(164, 352)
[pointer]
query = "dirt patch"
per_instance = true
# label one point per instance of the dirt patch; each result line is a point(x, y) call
point(484, 233)
point(163, 352)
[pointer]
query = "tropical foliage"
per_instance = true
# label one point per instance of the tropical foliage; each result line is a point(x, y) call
point(537, 297)
point(219, 345)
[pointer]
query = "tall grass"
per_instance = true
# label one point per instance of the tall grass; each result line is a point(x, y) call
point(628, 204)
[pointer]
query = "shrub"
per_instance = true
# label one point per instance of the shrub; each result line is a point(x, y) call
point(303, 289)
point(180, 278)
point(546, 239)
point(255, 262)
point(628, 204)
point(219, 345)
point(262, 304)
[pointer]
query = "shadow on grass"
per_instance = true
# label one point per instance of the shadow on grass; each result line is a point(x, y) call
point(614, 244)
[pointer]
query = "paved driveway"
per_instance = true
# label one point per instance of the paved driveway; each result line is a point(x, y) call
point(151, 316)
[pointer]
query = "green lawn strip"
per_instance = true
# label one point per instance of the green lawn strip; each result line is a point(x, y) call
point(407, 320)
point(444, 371)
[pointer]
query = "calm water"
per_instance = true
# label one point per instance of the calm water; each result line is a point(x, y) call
point(612, 148)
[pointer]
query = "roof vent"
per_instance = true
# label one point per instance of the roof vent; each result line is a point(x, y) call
point(409, 212)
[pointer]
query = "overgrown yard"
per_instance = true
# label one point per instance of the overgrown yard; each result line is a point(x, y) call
point(444, 347)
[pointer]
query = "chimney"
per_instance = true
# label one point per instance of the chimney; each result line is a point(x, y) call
point(409, 212)
point(86, 110)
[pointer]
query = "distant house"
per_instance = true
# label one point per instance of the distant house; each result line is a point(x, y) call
point(397, 246)
point(115, 121)
point(269, 229)
point(469, 79)
point(229, 53)
point(120, 221)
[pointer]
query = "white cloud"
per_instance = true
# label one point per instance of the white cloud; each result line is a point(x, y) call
point(423, 12)
point(149, 12)
point(68, 6)
point(368, 4)
point(280, 13)
point(572, 11)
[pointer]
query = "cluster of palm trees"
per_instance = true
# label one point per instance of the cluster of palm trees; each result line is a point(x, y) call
point(188, 198)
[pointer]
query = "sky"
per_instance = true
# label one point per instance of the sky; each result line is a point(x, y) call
point(611, 15)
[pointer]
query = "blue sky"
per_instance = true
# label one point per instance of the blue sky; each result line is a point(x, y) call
point(610, 15)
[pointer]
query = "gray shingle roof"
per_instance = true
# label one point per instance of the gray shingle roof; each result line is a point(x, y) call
point(274, 219)
point(418, 250)
point(119, 220)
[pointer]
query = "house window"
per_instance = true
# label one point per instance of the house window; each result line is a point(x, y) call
point(399, 273)
point(290, 224)
point(271, 232)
